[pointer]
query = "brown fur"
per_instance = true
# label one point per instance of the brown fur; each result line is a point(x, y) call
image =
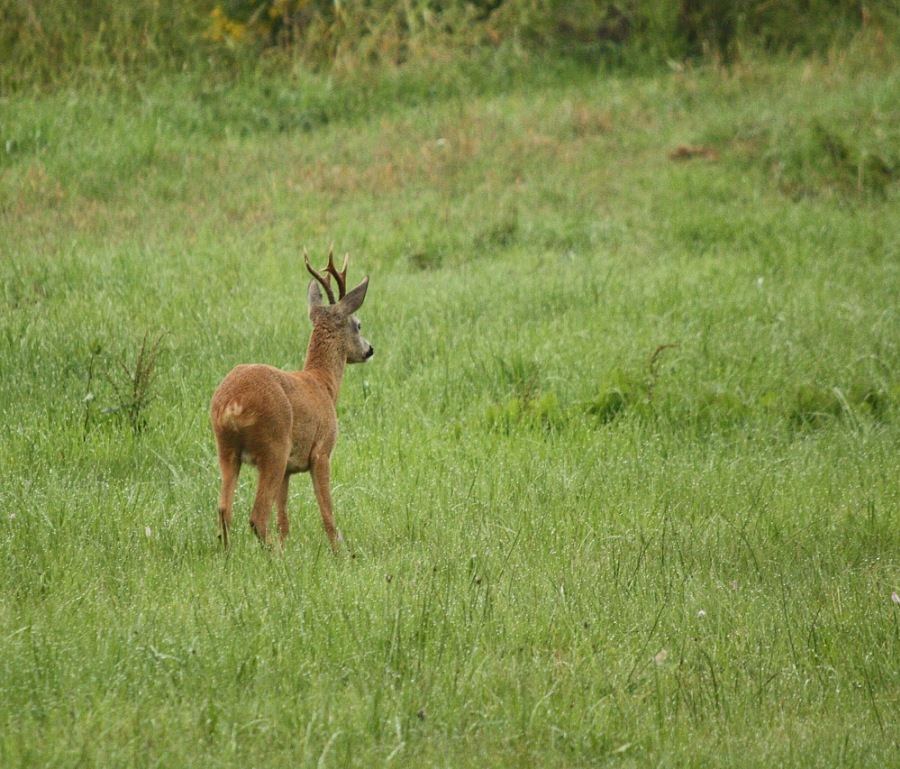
point(284, 422)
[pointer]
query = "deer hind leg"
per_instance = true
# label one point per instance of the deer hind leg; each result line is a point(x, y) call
point(271, 476)
point(281, 504)
point(230, 467)
point(321, 478)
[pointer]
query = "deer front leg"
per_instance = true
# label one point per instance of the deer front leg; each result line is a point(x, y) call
point(321, 478)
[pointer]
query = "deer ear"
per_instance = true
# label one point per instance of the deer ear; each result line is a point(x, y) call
point(354, 299)
point(313, 300)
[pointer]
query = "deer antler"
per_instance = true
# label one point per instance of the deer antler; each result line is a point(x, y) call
point(340, 277)
point(330, 271)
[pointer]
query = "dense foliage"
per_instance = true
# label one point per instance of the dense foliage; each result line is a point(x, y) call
point(56, 41)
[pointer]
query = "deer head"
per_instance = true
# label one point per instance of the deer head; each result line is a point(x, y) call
point(336, 322)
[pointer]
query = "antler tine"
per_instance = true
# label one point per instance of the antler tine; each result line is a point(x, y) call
point(340, 277)
point(325, 281)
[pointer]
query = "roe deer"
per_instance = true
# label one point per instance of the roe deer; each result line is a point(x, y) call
point(284, 422)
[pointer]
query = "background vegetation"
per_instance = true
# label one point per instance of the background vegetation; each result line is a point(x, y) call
point(58, 42)
point(619, 486)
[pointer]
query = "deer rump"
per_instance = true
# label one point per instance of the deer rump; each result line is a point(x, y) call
point(263, 414)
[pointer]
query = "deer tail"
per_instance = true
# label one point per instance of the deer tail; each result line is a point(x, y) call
point(233, 417)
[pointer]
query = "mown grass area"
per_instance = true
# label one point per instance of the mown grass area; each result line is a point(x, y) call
point(619, 486)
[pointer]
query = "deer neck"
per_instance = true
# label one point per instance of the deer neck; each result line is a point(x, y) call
point(325, 361)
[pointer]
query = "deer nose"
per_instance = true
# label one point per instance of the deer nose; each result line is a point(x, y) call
point(370, 352)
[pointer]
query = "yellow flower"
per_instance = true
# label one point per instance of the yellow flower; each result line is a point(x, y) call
point(223, 29)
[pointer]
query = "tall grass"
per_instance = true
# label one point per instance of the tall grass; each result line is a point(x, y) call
point(701, 573)
point(54, 43)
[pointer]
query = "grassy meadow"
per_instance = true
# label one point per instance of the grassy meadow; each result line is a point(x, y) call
point(619, 487)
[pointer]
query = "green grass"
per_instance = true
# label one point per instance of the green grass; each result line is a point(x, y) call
point(561, 548)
